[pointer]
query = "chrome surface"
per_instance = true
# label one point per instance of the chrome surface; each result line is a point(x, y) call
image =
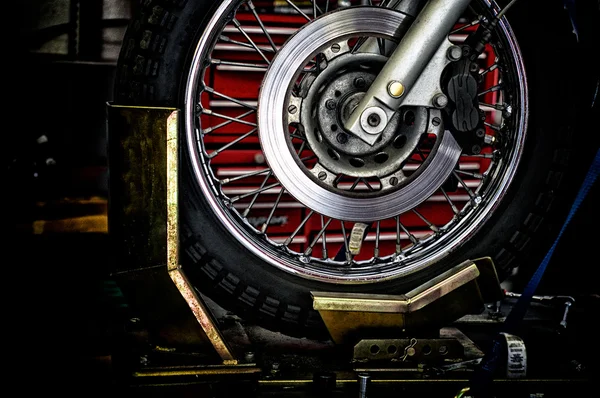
point(408, 60)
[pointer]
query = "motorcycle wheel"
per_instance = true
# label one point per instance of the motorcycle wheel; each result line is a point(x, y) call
point(208, 58)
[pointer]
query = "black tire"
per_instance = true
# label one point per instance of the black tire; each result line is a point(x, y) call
point(152, 70)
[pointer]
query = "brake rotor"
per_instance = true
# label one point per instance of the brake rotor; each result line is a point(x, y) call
point(278, 110)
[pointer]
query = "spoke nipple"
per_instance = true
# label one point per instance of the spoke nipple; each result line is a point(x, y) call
point(454, 53)
point(394, 181)
point(330, 104)
point(440, 101)
point(395, 89)
point(322, 176)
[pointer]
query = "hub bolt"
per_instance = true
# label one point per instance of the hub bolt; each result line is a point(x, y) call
point(440, 101)
point(359, 82)
point(330, 104)
point(454, 53)
point(342, 138)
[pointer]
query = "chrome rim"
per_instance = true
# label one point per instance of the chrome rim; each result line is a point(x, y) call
point(360, 206)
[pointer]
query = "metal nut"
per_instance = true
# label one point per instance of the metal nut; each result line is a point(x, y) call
point(440, 101)
point(454, 53)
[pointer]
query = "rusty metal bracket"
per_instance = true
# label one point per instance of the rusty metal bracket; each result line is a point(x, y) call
point(144, 227)
point(456, 292)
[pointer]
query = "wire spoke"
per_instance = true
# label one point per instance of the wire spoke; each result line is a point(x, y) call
point(242, 44)
point(237, 101)
point(262, 26)
point(309, 249)
point(471, 174)
point(217, 62)
point(376, 250)
point(454, 208)
point(488, 69)
point(251, 174)
point(252, 43)
point(464, 185)
point(264, 227)
point(498, 107)
point(300, 226)
point(411, 237)
point(230, 144)
point(324, 239)
point(426, 221)
point(295, 7)
point(229, 121)
point(490, 90)
point(473, 23)
point(492, 126)
point(258, 191)
point(398, 245)
point(346, 248)
point(230, 118)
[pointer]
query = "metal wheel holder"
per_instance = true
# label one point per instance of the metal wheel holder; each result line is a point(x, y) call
point(144, 230)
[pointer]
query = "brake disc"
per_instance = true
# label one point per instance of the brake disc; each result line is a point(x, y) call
point(315, 188)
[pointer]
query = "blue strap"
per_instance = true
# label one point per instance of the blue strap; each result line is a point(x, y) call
point(483, 376)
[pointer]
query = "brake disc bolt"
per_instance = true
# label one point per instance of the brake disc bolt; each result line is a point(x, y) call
point(395, 89)
point(335, 48)
point(359, 82)
point(454, 53)
point(342, 138)
point(436, 121)
point(292, 109)
point(440, 101)
point(330, 104)
point(393, 181)
point(373, 120)
point(322, 176)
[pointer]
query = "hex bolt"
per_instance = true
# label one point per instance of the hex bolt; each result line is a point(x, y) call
point(292, 109)
point(359, 82)
point(454, 53)
point(480, 133)
point(440, 101)
point(335, 48)
point(474, 67)
point(436, 121)
point(393, 181)
point(330, 104)
point(342, 138)
point(476, 149)
point(373, 120)
point(322, 176)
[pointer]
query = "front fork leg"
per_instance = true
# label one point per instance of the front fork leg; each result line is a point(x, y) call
point(403, 68)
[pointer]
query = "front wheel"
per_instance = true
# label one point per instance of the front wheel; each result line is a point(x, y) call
point(278, 199)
